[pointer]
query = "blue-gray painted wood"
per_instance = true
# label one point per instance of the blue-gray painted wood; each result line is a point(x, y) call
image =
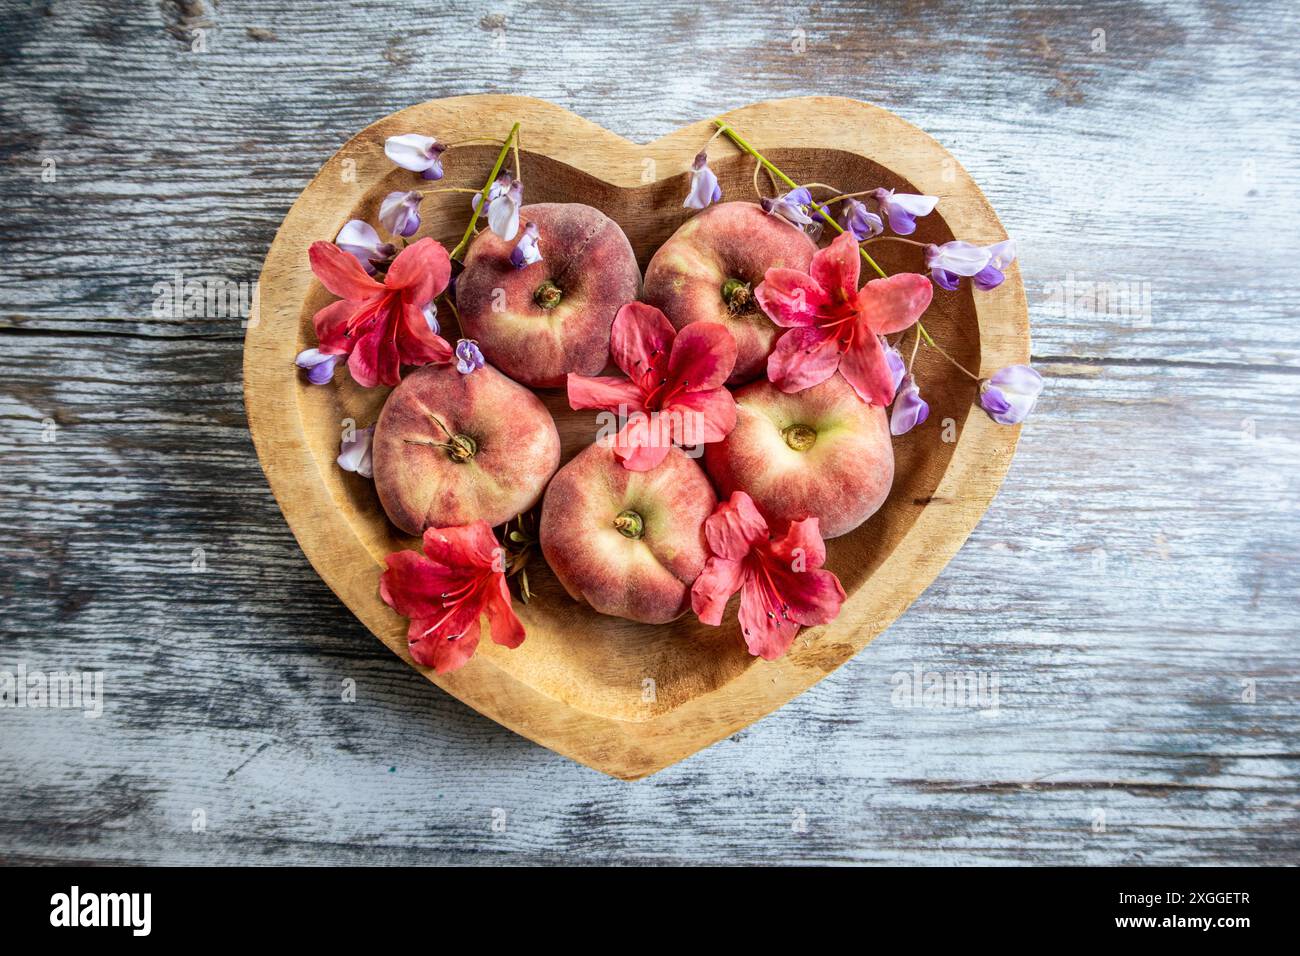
point(1136, 578)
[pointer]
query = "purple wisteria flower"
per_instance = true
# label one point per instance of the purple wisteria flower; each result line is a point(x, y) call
point(420, 154)
point(468, 356)
point(856, 218)
point(910, 409)
point(359, 240)
point(704, 184)
point(319, 366)
point(1001, 255)
point(526, 251)
point(794, 208)
point(901, 209)
point(430, 313)
point(495, 191)
point(1010, 394)
point(399, 213)
point(984, 264)
point(505, 197)
point(354, 451)
point(897, 367)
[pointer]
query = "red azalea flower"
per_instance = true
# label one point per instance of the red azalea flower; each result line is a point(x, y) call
point(381, 326)
point(781, 580)
point(460, 576)
point(834, 324)
point(673, 391)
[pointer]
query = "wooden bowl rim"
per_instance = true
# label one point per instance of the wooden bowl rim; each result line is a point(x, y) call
point(628, 749)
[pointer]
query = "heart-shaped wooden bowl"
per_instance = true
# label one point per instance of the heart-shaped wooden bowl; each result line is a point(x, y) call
point(624, 698)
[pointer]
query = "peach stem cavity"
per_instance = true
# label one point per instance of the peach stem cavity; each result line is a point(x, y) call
point(629, 524)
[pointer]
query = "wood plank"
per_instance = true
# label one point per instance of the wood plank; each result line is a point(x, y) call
point(1119, 677)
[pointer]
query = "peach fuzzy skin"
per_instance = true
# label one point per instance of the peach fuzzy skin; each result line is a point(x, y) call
point(733, 240)
point(646, 578)
point(516, 449)
point(841, 477)
point(586, 256)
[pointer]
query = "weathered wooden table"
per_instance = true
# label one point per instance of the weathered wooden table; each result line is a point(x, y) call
point(1134, 590)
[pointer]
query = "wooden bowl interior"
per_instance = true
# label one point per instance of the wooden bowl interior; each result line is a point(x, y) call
point(604, 665)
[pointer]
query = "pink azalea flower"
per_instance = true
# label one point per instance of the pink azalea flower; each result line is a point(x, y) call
point(835, 325)
point(673, 393)
point(781, 581)
point(381, 326)
point(460, 577)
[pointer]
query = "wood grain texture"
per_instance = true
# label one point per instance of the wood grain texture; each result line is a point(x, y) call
point(1139, 564)
point(579, 684)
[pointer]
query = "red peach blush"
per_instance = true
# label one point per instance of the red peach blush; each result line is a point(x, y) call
point(708, 268)
point(450, 449)
point(821, 453)
point(550, 318)
point(629, 543)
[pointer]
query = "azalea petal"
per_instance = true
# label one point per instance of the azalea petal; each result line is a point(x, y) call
point(837, 268)
point(505, 626)
point(698, 418)
point(801, 546)
point(439, 646)
point(643, 442)
point(865, 367)
point(803, 358)
point(768, 633)
point(711, 591)
point(790, 298)
point(640, 341)
point(340, 272)
point(331, 324)
point(810, 597)
point(412, 586)
point(702, 357)
point(421, 271)
point(893, 304)
point(374, 359)
point(605, 392)
point(735, 527)
point(417, 343)
point(468, 547)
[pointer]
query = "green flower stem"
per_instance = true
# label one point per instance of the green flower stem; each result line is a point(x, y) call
point(736, 138)
point(483, 193)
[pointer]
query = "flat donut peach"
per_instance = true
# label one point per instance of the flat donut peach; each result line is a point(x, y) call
point(628, 543)
point(538, 323)
point(821, 453)
point(450, 449)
